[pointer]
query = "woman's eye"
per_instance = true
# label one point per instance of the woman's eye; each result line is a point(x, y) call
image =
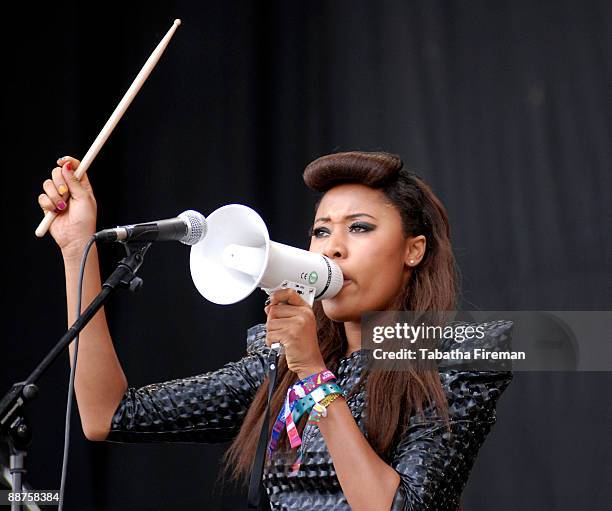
point(319, 232)
point(360, 227)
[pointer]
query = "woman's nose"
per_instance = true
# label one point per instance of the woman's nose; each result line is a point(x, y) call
point(335, 247)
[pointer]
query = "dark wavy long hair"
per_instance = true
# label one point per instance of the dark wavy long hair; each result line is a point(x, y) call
point(391, 396)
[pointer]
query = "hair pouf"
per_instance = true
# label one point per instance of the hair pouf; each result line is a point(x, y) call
point(373, 169)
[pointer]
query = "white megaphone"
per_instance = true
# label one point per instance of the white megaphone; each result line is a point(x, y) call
point(237, 256)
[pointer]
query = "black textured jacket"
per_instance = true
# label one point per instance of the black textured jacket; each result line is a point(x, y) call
point(433, 465)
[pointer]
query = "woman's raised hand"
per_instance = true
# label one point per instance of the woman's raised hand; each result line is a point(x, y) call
point(291, 322)
point(76, 218)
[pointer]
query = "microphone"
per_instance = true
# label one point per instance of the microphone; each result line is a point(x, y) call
point(189, 227)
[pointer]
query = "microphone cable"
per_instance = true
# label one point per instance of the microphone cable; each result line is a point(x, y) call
point(70, 397)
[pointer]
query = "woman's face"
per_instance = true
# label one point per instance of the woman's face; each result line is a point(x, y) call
point(361, 231)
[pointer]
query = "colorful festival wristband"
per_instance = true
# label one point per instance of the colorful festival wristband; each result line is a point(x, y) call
point(300, 399)
point(305, 404)
point(308, 384)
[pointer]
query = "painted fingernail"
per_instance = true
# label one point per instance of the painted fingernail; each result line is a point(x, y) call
point(61, 205)
point(68, 166)
point(62, 189)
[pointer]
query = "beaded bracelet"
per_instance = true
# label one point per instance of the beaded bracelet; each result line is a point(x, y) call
point(319, 410)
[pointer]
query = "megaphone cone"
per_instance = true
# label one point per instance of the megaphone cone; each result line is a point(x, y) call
point(237, 256)
point(216, 281)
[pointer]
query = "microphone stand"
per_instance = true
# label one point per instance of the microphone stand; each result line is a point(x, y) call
point(14, 426)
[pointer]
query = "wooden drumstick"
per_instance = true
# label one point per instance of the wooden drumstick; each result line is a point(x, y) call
point(114, 119)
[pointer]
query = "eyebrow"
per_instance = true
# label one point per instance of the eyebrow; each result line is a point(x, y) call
point(347, 217)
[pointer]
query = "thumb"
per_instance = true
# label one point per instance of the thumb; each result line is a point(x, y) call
point(77, 191)
point(74, 164)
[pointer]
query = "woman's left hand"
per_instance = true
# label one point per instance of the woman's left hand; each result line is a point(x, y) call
point(293, 324)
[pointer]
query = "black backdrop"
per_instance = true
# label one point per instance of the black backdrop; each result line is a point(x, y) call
point(504, 107)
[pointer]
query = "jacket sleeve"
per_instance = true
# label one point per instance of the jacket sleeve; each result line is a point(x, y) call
point(434, 459)
point(206, 408)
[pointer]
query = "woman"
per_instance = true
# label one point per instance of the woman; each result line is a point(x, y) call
point(386, 440)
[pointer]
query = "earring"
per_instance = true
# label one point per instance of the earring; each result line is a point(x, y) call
point(411, 261)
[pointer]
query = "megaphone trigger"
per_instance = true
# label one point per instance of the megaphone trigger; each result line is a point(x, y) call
point(278, 347)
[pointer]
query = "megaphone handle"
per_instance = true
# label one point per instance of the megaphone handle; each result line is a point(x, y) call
point(306, 292)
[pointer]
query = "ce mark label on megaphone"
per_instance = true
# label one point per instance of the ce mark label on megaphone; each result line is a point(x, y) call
point(237, 256)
